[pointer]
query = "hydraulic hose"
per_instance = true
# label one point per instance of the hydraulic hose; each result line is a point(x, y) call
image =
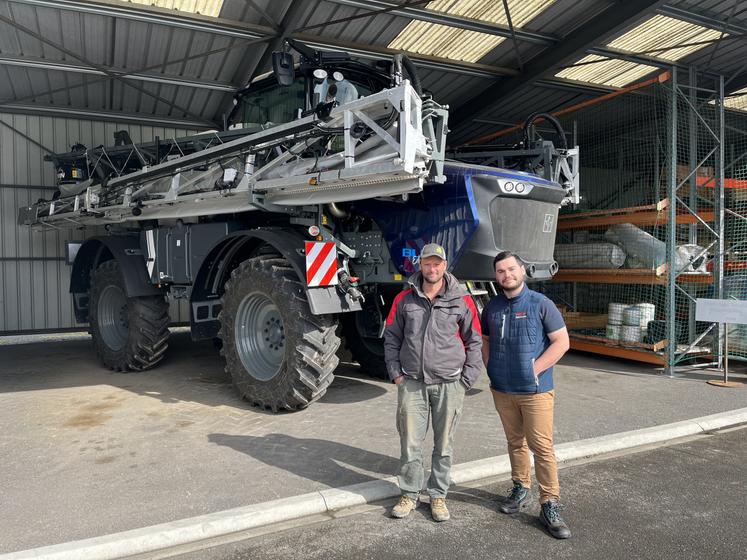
point(413, 73)
point(549, 118)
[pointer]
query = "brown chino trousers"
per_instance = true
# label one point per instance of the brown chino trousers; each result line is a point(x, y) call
point(527, 421)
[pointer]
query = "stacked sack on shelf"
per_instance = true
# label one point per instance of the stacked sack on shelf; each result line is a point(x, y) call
point(626, 246)
point(629, 322)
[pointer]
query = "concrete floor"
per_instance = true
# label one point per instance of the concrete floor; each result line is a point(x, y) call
point(626, 507)
point(87, 452)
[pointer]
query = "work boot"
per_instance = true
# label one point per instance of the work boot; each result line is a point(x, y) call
point(404, 507)
point(515, 498)
point(550, 518)
point(439, 512)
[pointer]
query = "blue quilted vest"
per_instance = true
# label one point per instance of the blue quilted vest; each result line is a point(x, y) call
point(517, 338)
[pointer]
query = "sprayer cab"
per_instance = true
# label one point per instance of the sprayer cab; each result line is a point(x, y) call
point(315, 82)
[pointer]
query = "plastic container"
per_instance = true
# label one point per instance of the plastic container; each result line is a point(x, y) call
point(648, 314)
point(615, 313)
point(632, 316)
point(631, 333)
point(613, 332)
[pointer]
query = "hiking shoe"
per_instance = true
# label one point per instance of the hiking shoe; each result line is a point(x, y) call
point(550, 518)
point(404, 507)
point(439, 512)
point(515, 498)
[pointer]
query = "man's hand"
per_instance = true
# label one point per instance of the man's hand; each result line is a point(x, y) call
point(398, 380)
point(559, 344)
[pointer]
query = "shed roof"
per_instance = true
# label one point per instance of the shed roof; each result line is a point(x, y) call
point(176, 61)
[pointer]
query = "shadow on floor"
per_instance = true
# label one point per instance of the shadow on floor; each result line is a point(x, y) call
point(191, 372)
point(328, 462)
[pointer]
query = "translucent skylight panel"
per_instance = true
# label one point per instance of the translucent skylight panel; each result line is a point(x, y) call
point(604, 71)
point(663, 32)
point(737, 100)
point(205, 7)
point(461, 44)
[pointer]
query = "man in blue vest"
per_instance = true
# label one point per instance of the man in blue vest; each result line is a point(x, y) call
point(524, 336)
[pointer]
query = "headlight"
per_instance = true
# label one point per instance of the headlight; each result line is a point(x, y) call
point(520, 187)
point(508, 186)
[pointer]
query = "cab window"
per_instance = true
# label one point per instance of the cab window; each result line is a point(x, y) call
point(272, 103)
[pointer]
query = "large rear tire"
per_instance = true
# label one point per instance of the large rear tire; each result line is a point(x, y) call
point(279, 355)
point(129, 333)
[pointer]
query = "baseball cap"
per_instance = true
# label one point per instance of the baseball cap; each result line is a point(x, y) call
point(433, 250)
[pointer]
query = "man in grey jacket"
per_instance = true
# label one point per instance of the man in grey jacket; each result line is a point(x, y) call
point(433, 346)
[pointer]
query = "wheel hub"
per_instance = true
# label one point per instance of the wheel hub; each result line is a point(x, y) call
point(112, 317)
point(259, 336)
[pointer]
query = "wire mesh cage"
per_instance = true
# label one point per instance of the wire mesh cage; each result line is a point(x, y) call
point(662, 220)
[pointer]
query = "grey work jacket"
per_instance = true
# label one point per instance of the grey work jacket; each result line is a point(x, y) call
point(437, 340)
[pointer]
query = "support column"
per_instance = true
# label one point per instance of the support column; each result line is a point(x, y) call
point(718, 268)
point(692, 233)
point(670, 313)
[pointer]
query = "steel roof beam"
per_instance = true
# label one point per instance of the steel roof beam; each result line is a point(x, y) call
point(287, 25)
point(109, 116)
point(46, 64)
point(41, 38)
point(648, 60)
point(230, 28)
point(426, 61)
point(432, 16)
point(597, 30)
point(704, 19)
point(157, 16)
point(574, 86)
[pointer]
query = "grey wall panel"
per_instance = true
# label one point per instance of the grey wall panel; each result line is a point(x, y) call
point(34, 279)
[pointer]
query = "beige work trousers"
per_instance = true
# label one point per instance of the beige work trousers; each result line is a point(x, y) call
point(527, 421)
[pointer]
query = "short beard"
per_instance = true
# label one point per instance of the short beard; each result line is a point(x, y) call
point(429, 282)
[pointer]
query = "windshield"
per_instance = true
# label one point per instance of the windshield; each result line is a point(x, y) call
point(271, 103)
point(268, 103)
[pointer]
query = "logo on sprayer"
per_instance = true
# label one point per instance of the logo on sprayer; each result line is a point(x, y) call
point(411, 254)
point(549, 221)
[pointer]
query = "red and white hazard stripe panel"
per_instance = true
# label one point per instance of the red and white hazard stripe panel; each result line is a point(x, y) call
point(321, 264)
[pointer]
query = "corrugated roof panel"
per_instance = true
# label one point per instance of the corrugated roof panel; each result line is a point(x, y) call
point(737, 100)
point(205, 7)
point(662, 32)
point(241, 10)
point(727, 58)
point(461, 44)
point(447, 42)
point(608, 72)
point(133, 45)
point(199, 42)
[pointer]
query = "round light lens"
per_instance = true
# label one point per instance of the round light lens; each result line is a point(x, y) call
point(314, 231)
point(338, 76)
point(520, 187)
point(320, 73)
point(509, 186)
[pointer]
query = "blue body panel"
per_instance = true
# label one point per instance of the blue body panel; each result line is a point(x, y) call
point(446, 214)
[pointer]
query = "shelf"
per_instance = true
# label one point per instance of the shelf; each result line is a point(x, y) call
point(645, 276)
point(649, 215)
point(638, 351)
point(710, 182)
point(596, 346)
